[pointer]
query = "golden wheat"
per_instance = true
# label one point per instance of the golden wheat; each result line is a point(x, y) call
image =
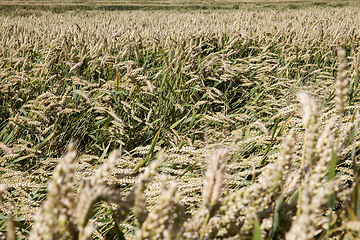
point(236, 148)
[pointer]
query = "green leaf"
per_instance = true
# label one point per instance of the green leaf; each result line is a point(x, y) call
point(100, 121)
point(192, 119)
point(182, 143)
point(9, 136)
point(257, 97)
point(283, 126)
point(177, 123)
point(151, 150)
point(332, 167)
point(294, 197)
point(271, 142)
point(45, 140)
point(356, 199)
point(117, 80)
point(101, 159)
point(257, 231)
point(21, 225)
point(188, 169)
point(120, 234)
point(331, 201)
point(22, 158)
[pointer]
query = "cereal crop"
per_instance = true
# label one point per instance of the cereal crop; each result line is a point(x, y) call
point(227, 124)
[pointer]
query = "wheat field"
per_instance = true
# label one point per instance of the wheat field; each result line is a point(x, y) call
point(232, 124)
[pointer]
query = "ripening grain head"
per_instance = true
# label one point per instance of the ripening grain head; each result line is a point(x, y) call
point(341, 90)
point(310, 108)
point(214, 177)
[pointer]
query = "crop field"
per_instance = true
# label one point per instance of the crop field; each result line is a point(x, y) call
point(235, 123)
point(58, 6)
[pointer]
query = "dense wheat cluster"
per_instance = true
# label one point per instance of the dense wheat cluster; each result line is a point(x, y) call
point(222, 125)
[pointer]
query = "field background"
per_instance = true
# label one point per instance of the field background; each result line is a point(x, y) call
point(186, 80)
point(183, 5)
